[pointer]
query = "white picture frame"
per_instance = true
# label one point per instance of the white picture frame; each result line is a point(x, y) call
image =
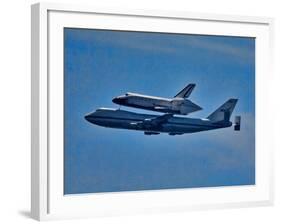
point(47, 199)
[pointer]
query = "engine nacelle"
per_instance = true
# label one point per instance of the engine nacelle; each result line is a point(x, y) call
point(151, 133)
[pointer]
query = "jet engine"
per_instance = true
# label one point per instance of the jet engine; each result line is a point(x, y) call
point(151, 133)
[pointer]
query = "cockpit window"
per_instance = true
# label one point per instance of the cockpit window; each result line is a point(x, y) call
point(127, 94)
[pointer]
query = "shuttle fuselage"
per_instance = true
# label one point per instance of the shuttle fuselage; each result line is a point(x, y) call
point(175, 105)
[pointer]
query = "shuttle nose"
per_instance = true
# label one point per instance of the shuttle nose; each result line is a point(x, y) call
point(119, 100)
point(115, 100)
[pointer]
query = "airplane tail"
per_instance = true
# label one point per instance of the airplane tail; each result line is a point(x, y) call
point(224, 112)
point(185, 93)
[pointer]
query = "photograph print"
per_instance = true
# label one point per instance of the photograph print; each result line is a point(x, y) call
point(157, 111)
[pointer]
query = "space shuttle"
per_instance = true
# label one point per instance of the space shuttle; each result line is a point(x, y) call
point(179, 104)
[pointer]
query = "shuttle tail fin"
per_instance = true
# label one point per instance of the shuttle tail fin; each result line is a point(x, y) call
point(185, 93)
point(224, 112)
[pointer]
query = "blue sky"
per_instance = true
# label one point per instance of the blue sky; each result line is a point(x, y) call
point(100, 65)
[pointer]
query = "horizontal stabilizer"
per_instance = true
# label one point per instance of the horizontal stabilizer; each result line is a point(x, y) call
point(237, 123)
point(185, 93)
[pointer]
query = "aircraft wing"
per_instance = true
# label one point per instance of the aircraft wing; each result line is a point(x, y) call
point(153, 122)
point(161, 119)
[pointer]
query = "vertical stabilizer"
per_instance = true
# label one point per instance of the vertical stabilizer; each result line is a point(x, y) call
point(224, 112)
point(185, 93)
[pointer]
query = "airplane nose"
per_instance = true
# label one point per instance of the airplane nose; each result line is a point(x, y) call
point(87, 117)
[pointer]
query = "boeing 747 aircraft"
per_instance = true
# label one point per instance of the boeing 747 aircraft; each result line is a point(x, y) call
point(177, 105)
point(167, 123)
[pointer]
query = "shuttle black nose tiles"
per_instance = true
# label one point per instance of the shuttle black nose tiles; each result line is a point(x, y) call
point(121, 100)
